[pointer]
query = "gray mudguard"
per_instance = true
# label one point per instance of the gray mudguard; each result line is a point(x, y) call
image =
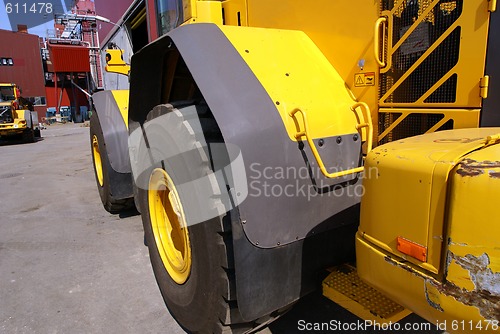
point(280, 242)
point(249, 120)
point(114, 130)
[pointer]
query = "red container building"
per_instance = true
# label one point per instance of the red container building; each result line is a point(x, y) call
point(21, 63)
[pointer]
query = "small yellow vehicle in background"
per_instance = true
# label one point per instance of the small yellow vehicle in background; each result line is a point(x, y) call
point(17, 116)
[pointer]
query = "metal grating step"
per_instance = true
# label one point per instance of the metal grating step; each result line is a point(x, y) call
point(344, 287)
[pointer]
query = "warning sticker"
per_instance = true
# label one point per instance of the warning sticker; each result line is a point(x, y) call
point(417, 42)
point(364, 79)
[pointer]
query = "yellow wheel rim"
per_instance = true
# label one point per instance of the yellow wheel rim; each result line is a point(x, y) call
point(97, 160)
point(169, 226)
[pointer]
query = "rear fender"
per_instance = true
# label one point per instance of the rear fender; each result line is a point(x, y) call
point(111, 107)
point(271, 231)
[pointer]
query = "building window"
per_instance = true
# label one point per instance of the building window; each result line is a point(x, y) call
point(7, 93)
point(6, 62)
point(37, 100)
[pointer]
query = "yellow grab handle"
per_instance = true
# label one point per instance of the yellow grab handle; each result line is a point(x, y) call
point(367, 124)
point(376, 45)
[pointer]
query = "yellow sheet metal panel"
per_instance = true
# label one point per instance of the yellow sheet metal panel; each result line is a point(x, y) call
point(121, 97)
point(466, 298)
point(406, 188)
point(235, 12)
point(209, 12)
point(17, 127)
point(342, 30)
point(296, 74)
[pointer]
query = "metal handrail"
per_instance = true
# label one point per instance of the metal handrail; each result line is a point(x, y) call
point(367, 124)
point(366, 116)
point(376, 45)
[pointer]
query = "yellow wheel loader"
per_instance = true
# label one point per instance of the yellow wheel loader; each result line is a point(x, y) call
point(17, 116)
point(266, 141)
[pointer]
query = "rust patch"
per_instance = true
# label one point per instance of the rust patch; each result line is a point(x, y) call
point(486, 295)
point(495, 175)
point(469, 172)
point(457, 140)
point(426, 279)
point(404, 267)
point(430, 301)
point(483, 277)
point(472, 168)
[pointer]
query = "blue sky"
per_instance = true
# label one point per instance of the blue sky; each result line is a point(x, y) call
point(40, 30)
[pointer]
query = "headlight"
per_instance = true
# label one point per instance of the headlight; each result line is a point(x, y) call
point(16, 126)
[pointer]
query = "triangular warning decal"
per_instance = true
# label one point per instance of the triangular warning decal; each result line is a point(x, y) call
point(359, 80)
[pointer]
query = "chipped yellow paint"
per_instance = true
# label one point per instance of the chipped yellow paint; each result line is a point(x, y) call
point(452, 178)
point(414, 168)
point(415, 289)
point(460, 276)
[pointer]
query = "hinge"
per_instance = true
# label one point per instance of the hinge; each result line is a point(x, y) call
point(484, 86)
point(492, 5)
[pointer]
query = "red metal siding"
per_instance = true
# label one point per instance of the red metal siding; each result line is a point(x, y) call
point(67, 98)
point(112, 10)
point(69, 58)
point(27, 71)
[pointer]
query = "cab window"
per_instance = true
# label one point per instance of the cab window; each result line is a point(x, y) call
point(169, 15)
point(172, 13)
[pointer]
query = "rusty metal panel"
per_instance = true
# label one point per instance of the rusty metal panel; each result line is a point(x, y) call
point(473, 256)
point(405, 191)
point(69, 58)
point(466, 290)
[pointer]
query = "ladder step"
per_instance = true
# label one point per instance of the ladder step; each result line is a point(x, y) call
point(344, 287)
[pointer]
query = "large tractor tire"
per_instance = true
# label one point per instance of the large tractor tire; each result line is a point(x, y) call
point(193, 263)
point(104, 172)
